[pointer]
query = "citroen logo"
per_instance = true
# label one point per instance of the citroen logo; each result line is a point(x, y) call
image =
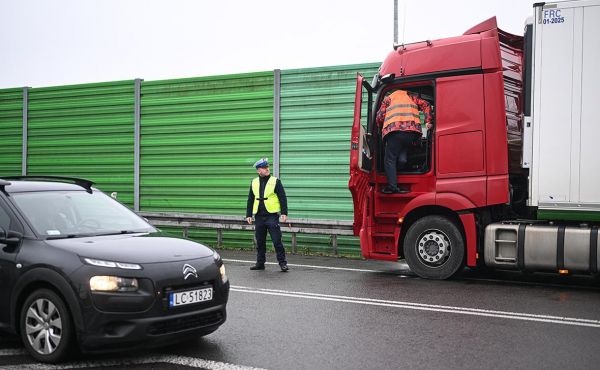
point(189, 270)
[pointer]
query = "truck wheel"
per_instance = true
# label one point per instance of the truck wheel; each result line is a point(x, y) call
point(46, 328)
point(434, 248)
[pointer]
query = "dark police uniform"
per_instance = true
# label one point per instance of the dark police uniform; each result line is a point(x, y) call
point(265, 220)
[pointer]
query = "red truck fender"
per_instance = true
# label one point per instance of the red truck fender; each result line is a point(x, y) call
point(454, 202)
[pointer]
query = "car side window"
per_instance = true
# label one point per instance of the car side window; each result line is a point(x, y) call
point(4, 219)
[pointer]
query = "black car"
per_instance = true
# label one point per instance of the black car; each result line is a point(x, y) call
point(80, 270)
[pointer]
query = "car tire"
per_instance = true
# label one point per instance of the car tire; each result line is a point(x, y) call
point(434, 248)
point(46, 326)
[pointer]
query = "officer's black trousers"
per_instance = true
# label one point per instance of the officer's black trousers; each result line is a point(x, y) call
point(270, 223)
point(397, 144)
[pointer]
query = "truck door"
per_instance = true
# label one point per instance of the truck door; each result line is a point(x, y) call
point(360, 156)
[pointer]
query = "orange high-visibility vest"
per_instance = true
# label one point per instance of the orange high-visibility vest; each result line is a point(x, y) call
point(402, 108)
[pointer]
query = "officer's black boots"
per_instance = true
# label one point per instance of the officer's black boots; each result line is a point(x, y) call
point(283, 267)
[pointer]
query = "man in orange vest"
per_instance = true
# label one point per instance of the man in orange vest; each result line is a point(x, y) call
point(401, 127)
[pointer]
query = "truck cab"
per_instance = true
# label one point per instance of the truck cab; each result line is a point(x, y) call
point(464, 164)
point(508, 176)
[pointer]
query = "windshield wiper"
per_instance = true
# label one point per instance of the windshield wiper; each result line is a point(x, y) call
point(121, 232)
point(68, 236)
point(116, 232)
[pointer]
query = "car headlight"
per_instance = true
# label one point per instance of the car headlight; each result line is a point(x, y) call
point(223, 274)
point(113, 284)
point(218, 261)
point(121, 265)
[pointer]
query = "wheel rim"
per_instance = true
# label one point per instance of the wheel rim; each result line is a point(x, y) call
point(433, 248)
point(43, 326)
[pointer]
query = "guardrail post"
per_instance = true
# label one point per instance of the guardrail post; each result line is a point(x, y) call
point(185, 232)
point(334, 244)
point(219, 238)
point(294, 243)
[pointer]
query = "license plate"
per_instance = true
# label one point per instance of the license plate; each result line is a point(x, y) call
point(190, 297)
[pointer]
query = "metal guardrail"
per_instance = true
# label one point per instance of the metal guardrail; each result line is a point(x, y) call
point(220, 223)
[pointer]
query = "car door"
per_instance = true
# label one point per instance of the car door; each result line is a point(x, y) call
point(7, 262)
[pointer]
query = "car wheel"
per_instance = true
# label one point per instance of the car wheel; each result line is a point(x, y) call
point(434, 248)
point(46, 327)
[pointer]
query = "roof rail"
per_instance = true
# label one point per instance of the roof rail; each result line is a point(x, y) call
point(86, 184)
point(3, 183)
point(403, 45)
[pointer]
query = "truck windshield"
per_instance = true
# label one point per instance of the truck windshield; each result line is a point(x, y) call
point(62, 214)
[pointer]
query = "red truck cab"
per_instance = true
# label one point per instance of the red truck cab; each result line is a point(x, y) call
point(461, 172)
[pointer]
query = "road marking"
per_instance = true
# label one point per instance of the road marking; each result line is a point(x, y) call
point(174, 360)
point(529, 283)
point(12, 352)
point(309, 266)
point(404, 272)
point(425, 307)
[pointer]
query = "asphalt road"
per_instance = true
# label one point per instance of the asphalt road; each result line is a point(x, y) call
point(329, 313)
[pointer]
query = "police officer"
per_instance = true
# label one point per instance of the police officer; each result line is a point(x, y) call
point(265, 200)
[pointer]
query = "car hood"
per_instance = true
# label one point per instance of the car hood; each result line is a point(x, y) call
point(134, 248)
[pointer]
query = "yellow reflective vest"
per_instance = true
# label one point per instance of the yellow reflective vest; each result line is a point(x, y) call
point(270, 198)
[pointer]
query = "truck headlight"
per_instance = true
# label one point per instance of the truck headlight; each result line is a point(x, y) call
point(113, 284)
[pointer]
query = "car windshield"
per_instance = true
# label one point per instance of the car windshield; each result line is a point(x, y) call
point(62, 214)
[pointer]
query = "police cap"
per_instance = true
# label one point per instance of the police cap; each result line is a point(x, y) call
point(261, 163)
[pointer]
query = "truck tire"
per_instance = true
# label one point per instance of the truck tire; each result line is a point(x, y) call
point(434, 248)
point(46, 326)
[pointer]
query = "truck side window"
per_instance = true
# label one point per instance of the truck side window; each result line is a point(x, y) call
point(365, 158)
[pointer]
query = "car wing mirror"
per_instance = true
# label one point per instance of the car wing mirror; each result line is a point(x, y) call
point(10, 238)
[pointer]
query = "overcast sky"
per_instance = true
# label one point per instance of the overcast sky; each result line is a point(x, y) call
point(58, 42)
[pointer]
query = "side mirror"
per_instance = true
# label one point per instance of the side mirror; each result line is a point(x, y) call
point(388, 78)
point(10, 238)
point(379, 80)
point(376, 82)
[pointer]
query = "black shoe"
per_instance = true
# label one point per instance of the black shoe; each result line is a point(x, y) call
point(394, 190)
point(402, 191)
point(390, 190)
point(284, 267)
point(257, 267)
